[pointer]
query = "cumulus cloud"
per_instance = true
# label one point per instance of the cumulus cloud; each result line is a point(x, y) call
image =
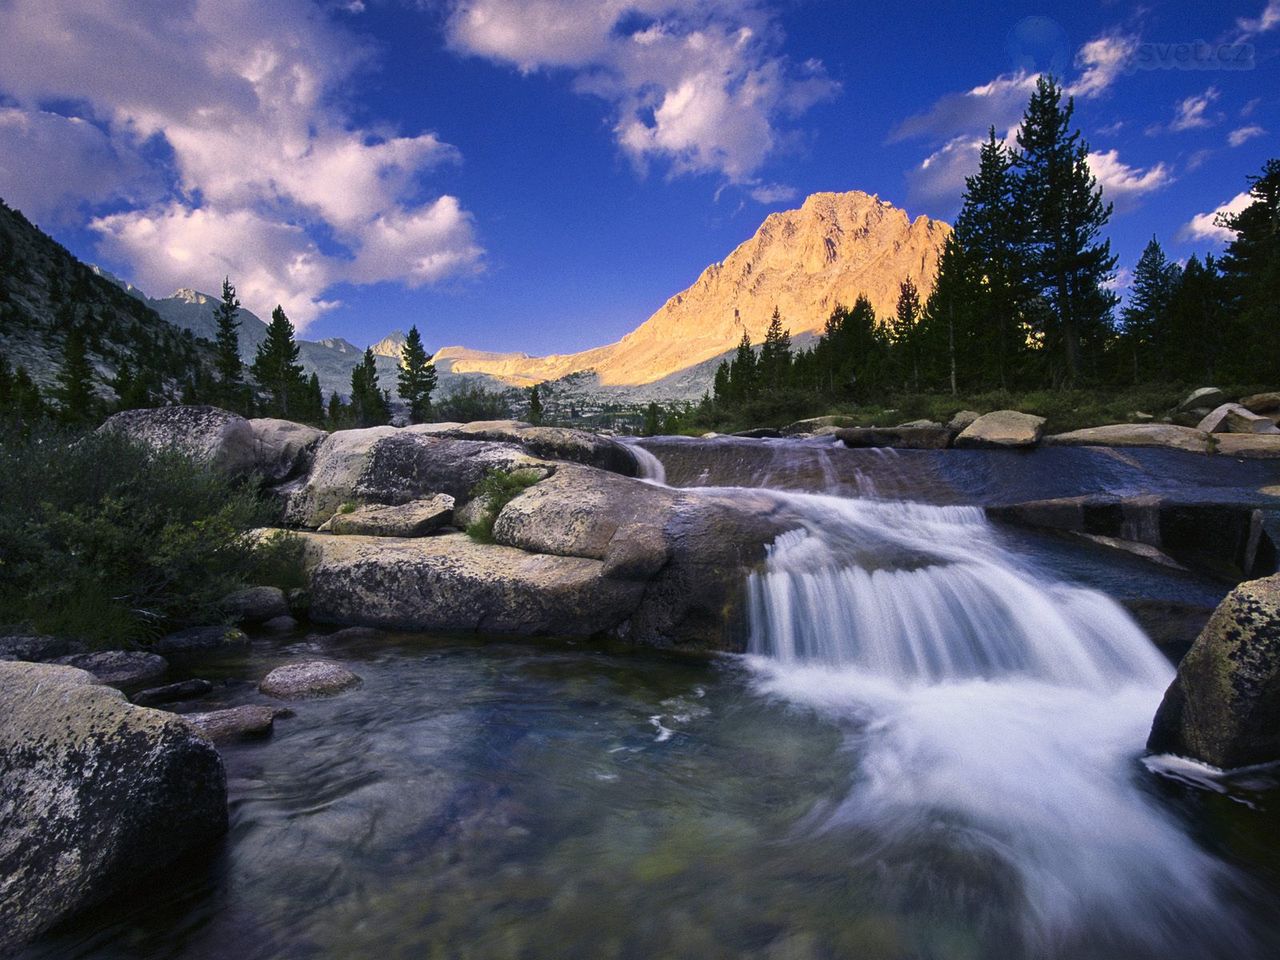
point(1205, 226)
point(940, 176)
point(1101, 61)
point(1243, 135)
point(1123, 183)
point(1189, 114)
point(235, 104)
point(698, 85)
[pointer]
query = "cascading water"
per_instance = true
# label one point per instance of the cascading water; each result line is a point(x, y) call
point(996, 716)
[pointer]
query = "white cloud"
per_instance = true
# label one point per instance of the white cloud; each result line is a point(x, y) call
point(1124, 183)
point(769, 193)
point(1101, 61)
point(1268, 19)
point(998, 104)
point(1205, 226)
point(1243, 135)
point(696, 84)
point(940, 176)
point(239, 98)
point(1189, 114)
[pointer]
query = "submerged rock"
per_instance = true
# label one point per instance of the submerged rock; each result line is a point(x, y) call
point(94, 794)
point(201, 640)
point(313, 678)
point(1137, 435)
point(1223, 706)
point(119, 668)
point(417, 518)
point(172, 693)
point(236, 723)
point(1002, 428)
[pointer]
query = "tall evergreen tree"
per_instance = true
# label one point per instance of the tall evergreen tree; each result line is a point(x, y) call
point(535, 406)
point(1146, 314)
point(742, 370)
point(906, 321)
point(1195, 330)
point(1060, 202)
point(276, 369)
point(227, 348)
point(75, 394)
point(370, 405)
point(954, 341)
point(775, 354)
point(1251, 270)
point(417, 377)
point(993, 236)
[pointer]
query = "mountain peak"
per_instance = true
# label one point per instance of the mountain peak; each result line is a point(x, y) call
point(392, 345)
point(188, 295)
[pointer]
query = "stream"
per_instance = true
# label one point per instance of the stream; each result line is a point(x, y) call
point(933, 749)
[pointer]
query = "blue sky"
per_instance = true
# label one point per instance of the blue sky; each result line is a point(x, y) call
point(541, 175)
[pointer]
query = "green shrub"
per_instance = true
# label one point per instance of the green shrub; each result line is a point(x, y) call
point(105, 540)
point(498, 488)
point(278, 561)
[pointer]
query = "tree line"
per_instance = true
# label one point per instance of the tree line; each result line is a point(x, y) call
point(1023, 296)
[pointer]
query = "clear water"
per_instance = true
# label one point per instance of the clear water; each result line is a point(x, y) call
point(934, 750)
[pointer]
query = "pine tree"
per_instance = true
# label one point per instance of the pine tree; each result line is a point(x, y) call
point(227, 349)
point(336, 414)
point(652, 420)
point(775, 354)
point(1145, 316)
point(417, 377)
point(276, 369)
point(1196, 328)
point(993, 235)
point(75, 395)
point(370, 405)
point(1251, 271)
point(535, 406)
point(1060, 202)
point(742, 370)
point(906, 321)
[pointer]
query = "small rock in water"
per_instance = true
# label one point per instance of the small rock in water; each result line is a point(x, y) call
point(313, 678)
point(284, 624)
point(255, 604)
point(200, 640)
point(1002, 428)
point(236, 723)
point(119, 668)
point(172, 693)
point(352, 633)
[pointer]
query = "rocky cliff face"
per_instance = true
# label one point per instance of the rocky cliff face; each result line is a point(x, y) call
point(804, 262)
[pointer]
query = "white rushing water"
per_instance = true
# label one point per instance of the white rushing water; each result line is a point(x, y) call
point(991, 710)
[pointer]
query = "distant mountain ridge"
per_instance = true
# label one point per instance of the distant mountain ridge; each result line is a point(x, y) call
point(804, 262)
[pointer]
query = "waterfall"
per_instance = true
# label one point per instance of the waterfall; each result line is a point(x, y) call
point(994, 714)
point(994, 711)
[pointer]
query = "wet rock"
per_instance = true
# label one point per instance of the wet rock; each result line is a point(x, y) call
point(556, 443)
point(255, 604)
point(36, 647)
point(313, 678)
point(1223, 707)
point(119, 668)
point(417, 518)
point(172, 693)
point(906, 437)
point(1205, 398)
point(236, 723)
point(281, 624)
point(1172, 626)
point(1233, 418)
point(95, 794)
point(283, 449)
point(1262, 402)
point(1248, 446)
point(962, 420)
point(1137, 435)
point(1002, 428)
point(214, 437)
point(201, 640)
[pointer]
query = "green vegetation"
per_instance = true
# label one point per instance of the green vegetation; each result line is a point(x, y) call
point(535, 414)
point(496, 490)
point(231, 390)
point(104, 539)
point(370, 404)
point(417, 378)
point(469, 402)
point(1022, 308)
point(276, 369)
